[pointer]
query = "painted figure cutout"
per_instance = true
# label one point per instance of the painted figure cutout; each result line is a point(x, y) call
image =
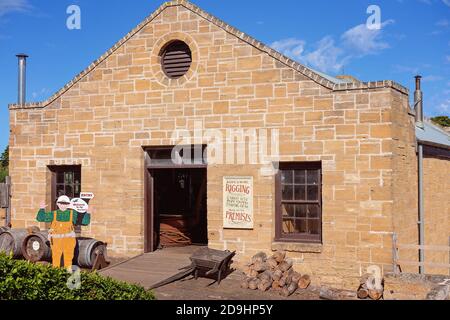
point(62, 233)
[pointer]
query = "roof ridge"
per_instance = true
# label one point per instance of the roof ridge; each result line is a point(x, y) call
point(308, 72)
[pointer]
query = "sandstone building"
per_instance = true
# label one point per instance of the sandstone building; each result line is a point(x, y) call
point(348, 176)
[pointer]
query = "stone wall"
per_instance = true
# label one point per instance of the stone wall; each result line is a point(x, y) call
point(437, 212)
point(105, 118)
point(404, 182)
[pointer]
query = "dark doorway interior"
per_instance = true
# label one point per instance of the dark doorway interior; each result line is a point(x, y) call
point(179, 206)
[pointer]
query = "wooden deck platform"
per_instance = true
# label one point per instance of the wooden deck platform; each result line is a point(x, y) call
point(150, 268)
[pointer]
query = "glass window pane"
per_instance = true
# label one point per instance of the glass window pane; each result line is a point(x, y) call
point(300, 192)
point(313, 177)
point(313, 193)
point(314, 226)
point(301, 210)
point(299, 176)
point(287, 176)
point(77, 190)
point(59, 190)
point(288, 226)
point(288, 210)
point(313, 211)
point(60, 177)
point(77, 175)
point(68, 177)
point(287, 192)
point(69, 191)
point(300, 226)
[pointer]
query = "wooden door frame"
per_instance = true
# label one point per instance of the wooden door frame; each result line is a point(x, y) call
point(149, 215)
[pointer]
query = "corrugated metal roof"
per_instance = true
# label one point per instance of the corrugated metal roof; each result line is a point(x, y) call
point(330, 78)
point(433, 135)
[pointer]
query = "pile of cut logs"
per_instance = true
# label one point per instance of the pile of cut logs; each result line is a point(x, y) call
point(275, 272)
point(370, 287)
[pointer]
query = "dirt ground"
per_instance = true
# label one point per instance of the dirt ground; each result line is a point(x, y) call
point(229, 289)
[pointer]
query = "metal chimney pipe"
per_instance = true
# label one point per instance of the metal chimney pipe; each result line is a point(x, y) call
point(418, 102)
point(22, 59)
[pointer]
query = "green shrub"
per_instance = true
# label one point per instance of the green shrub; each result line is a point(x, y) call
point(442, 120)
point(3, 174)
point(23, 280)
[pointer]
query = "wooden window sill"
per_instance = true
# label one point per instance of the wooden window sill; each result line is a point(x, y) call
point(297, 247)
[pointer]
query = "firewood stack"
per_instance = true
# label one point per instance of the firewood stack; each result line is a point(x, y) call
point(370, 288)
point(274, 273)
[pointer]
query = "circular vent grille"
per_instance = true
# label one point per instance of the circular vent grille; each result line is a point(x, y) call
point(176, 59)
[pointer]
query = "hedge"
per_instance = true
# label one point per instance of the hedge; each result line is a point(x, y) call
point(23, 280)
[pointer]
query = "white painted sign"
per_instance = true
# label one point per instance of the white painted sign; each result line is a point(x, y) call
point(87, 195)
point(238, 202)
point(79, 205)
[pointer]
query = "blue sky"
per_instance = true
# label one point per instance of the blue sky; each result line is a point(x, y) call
point(327, 35)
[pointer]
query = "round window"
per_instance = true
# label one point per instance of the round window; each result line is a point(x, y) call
point(176, 59)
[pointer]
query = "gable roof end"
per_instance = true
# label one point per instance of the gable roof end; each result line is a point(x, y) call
point(316, 76)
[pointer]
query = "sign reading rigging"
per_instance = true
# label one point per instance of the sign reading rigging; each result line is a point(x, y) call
point(238, 202)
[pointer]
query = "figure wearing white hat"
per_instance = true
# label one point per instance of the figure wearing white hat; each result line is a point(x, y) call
point(62, 234)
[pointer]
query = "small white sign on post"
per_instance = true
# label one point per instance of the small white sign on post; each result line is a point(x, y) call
point(238, 202)
point(86, 195)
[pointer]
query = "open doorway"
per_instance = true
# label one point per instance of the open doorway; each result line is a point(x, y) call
point(175, 202)
point(179, 209)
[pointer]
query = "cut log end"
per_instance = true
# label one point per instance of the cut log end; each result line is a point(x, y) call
point(289, 290)
point(259, 257)
point(286, 265)
point(265, 285)
point(304, 282)
point(253, 284)
point(279, 256)
point(363, 293)
point(375, 294)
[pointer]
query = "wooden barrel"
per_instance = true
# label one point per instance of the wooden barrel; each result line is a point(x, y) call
point(36, 247)
point(86, 251)
point(12, 240)
point(3, 229)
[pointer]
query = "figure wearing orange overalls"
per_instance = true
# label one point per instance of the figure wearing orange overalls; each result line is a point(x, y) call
point(62, 234)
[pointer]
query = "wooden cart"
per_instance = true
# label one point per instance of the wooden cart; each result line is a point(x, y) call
point(209, 261)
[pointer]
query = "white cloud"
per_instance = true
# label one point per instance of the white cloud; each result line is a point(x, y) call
point(328, 56)
point(430, 2)
point(444, 106)
point(324, 56)
point(9, 6)
point(447, 58)
point(431, 78)
point(365, 41)
point(442, 23)
point(290, 47)
point(41, 93)
point(406, 69)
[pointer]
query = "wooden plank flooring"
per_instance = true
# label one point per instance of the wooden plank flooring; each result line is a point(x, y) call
point(151, 268)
